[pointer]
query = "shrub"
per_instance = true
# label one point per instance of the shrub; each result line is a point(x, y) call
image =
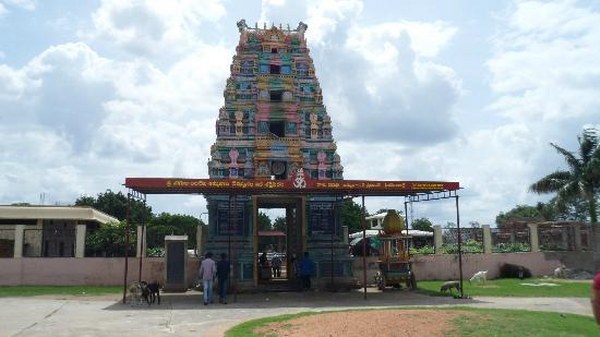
point(155, 252)
point(508, 270)
point(469, 246)
point(423, 250)
point(511, 248)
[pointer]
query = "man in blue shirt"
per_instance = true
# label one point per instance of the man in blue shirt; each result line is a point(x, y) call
point(307, 268)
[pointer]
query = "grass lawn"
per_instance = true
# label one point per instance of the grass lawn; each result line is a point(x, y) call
point(522, 323)
point(477, 323)
point(19, 291)
point(534, 287)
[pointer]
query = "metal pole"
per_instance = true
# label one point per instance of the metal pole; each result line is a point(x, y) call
point(142, 239)
point(364, 250)
point(127, 215)
point(141, 253)
point(334, 227)
point(406, 215)
point(406, 222)
point(460, 270)
point(229, 247)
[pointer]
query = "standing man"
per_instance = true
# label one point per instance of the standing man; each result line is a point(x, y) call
point(207, 274)
point(307, 268)
point(276, 265)
point(223, 269)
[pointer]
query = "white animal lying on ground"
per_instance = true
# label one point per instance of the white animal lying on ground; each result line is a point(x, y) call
point(559, 272)
point(479, 276)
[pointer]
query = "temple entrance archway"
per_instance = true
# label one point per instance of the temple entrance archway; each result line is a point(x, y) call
point(291, 245)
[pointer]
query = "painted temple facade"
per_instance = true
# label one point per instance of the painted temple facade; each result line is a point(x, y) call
point(273, 123)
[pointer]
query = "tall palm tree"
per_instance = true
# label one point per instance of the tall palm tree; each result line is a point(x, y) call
point(581, 180)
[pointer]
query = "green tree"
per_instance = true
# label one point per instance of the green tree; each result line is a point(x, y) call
point(171, 224)
point(351, 215)
point(109, 240)
point(422, 224)
point(581, 180)
point(264, 222)
point(115, 204)
point(574, 210)
point(520, 213)
point(279, 224)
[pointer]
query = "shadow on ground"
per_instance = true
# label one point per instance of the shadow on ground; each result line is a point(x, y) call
point(312, 299)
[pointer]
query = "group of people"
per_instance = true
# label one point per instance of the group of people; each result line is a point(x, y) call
point(209, 269)
point(303, 269)
point(275, 266)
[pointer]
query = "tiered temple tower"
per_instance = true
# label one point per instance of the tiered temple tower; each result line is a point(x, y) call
point(274, 120)
point(272, 124)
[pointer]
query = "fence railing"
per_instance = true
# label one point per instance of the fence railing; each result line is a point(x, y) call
point(471, 240)
point(512, 238)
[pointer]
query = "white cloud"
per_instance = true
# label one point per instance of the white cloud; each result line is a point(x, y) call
point(545, 67)
point(284, 12)
point(155, 28)
point(25, 4)
point(426, 39)
point(330, 19)
point(14, 83)
point(387, 84)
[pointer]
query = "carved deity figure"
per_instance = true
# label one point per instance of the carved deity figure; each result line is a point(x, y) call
point(239, 115)
point(313, 125)
point(233, 155)
point(263, 169)
point(321, 157)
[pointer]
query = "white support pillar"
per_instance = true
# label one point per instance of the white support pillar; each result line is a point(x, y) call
point(141, 237)
point(199, 245)
point(533, 237)
point(80, 230)
point(564, 236)
point(487, 239)
point(19, 234)
point(437, 239)
point(577, 237)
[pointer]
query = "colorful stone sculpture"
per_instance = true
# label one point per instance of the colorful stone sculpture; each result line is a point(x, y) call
point(273, 113)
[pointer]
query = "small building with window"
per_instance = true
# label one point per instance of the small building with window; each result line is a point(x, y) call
point(47, 231)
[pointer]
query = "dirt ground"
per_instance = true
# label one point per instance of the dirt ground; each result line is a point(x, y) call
point(385, 323)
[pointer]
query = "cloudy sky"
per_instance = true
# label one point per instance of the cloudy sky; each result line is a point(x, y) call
point(92, 92)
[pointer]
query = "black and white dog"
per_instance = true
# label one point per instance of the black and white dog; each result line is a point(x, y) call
point(150, 292)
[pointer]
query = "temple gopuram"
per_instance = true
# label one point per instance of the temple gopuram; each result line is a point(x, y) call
point(273, 125)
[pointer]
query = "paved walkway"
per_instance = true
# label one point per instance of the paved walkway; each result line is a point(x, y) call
point(184, 315)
